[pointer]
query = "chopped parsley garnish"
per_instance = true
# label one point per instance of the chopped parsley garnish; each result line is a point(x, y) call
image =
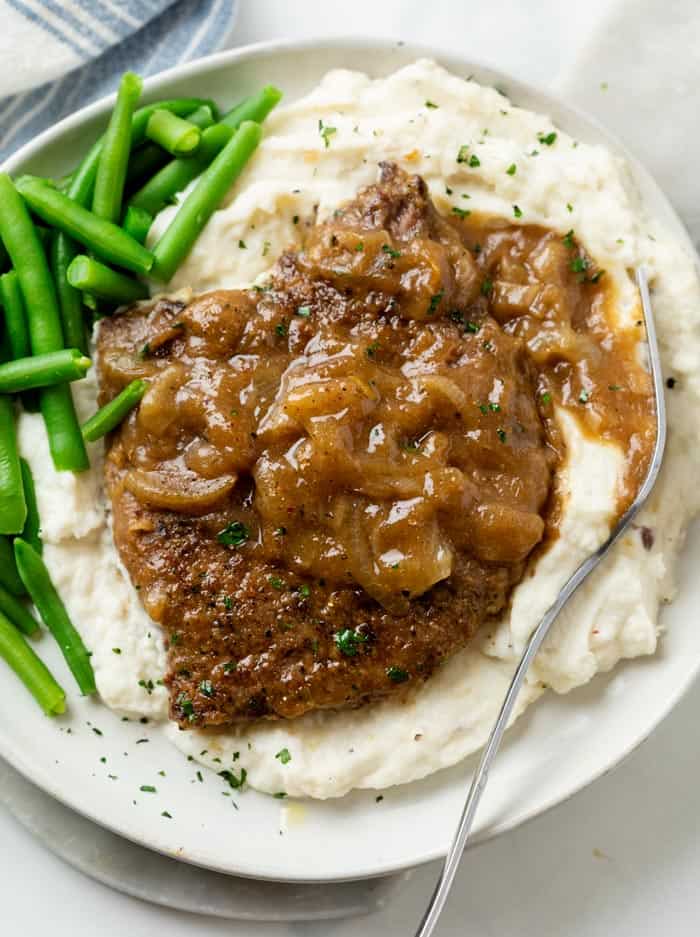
point(186, 705)
point(206, 688)
point(486, 287)
point(568, 239)
point(448, 190)
point(546, 397)
point(242, 245)
point(145, 351)
point(388, 249)
point(276, 583)
point(614, 386)
point(583, 397)
point(230, 666)
point(266, 248)
point(435, 300)
point(359, 246)
point(148, 789)
point(295, 219)
point(501, 433)
point(305, 590)
point(579, 265)
point(304, 311)
point(463, 154)
point(281, 329)
point(396, 674)
point(512, 169)
point(280, 531)
point(228, 602)
point(283, 756)
point(234, 534)
point(431, 104)
point(116, 650)
point(460, 212)
point(147, 685)
point(569, 207)
point(326, 133)
point(280, 795)
point(547, 138)
point(372, 349)
point(235, 781)
point(517, 211)
point(474, 161)
point(596, 276)
point(167, 815)
point(348, 641)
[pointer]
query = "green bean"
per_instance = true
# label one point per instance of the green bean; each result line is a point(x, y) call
point(53, 367)
point(150, 158)
point(103, 237)
point(174, 177)
point(203, 117)
point(101, 281)
point(45, 333)
point(9, 577)
point(137, 222)
point(17, 612)
point(205, 197)
point(32, 525)
point(16, 331)
point(70, 302)
point(15, 320)
point(256, 107)
point(37, 581)
point(111, 415)
point(173, 133)
point(30, 669)
point(57, 409)
point(116, 146)
point(144, 162)
point(13, 508)
point(81, 186)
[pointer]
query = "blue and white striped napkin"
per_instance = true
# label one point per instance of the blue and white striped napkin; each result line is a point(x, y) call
point(57, 55)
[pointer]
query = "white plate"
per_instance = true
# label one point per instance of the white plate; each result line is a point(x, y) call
point(558, 747)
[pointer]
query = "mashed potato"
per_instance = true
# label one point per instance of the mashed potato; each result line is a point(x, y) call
point(316, 153)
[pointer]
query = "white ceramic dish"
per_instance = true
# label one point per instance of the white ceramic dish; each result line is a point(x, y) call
point(557, 748)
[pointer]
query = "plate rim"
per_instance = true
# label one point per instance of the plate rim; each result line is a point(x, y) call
point(552, 103)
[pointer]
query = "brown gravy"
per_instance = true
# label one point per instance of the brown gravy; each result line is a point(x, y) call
point(334, 479)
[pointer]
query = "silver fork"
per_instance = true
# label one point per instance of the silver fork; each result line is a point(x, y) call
point(480, 779)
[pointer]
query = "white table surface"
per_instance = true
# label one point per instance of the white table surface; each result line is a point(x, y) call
point(621, 858)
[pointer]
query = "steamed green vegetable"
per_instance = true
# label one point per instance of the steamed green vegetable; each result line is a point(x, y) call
point(90, 275)
point(32, 526)
point(38, 583)
point(30, 669)
point(103, 237)
point(203, 200)
point(116, 146)
point(111, 415)
point(45, 332)
point(173, 133)
point(54, 367)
